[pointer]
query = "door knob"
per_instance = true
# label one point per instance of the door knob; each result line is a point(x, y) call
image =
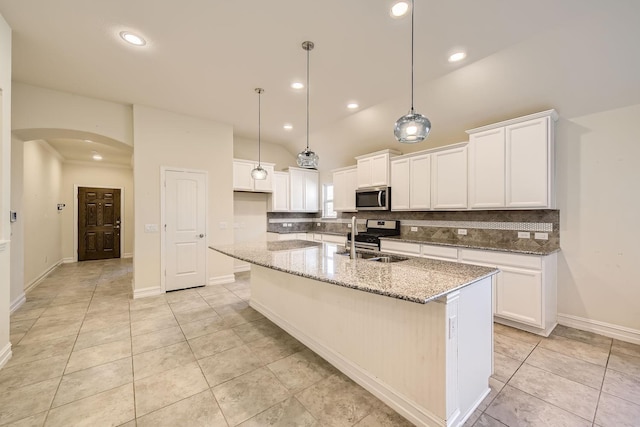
point(201, 235)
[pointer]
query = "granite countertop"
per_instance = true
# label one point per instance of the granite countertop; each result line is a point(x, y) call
point(483, 246)
point(418, 280)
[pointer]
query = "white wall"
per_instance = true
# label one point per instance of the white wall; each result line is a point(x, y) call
point(163, 138)
point(90, 175)
point(269, 153)
point(17, 228)
point(249, 220)
point(42, 219)
point(36, 108)
point(5, 187)
point(598, 176)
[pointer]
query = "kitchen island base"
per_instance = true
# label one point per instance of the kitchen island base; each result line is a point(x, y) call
point(429, 362)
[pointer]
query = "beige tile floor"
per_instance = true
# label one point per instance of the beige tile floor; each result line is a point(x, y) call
point(85, 353)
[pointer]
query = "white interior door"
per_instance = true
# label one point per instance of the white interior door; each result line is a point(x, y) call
point(185, 229)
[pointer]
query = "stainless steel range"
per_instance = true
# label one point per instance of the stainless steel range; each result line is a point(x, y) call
point(376, 228)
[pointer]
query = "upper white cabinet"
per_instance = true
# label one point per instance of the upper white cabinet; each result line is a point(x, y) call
point(373, 169)
point(345, 183)
point(449, 178)
point(280, 195)
point(511, 164)
point(242, 180)
point(430, 179)
point(303, 190)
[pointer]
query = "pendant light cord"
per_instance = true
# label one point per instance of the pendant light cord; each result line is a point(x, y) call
point(308, 99)
point(259, 126)
point(412, 6)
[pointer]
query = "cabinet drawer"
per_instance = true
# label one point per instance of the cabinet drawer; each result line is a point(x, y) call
point(533, 262)
point(440, 252)
point(333, 238)
point(400, 247)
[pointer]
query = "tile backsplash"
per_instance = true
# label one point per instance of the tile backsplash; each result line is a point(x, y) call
point(495, 228)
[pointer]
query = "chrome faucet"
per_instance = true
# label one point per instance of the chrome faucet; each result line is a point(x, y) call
point(354, 233)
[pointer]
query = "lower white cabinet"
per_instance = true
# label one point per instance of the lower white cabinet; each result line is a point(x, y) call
point(286, 236)
point(524, 291)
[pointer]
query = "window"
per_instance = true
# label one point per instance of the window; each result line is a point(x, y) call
point(327, 201)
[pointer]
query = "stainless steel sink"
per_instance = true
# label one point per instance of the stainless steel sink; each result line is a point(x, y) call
point(376, 257)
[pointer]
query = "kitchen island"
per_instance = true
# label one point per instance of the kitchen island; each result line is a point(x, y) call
point(416, 333)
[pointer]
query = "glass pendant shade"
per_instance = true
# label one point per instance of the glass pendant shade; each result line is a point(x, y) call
point(412, 128)
point(259, 173)
point(307, 159)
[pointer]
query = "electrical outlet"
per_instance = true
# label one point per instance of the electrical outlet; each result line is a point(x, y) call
point(317, 224)
point(414, 228)
point(541, 236)
point(462, 231)
point(349, 225)
point(524, 235)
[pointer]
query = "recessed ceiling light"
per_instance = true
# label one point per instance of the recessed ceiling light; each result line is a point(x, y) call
point(133, 39)
point(97, 157)
point(288, 126)
point(458, 56)
point(297, 85)
point(399, 9)
point(352, 105)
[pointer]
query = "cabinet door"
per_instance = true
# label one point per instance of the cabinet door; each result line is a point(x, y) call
point(380, 170)
point(400, 182)
point(519, 295)
point(242, 176)
point(487, 169)
point(310, 191)
point(364, 173)
point(265, 185)
point(449, 179)
point(420, 182)
point(351, 185)
point(296, 190)
point(339, 190)
point(527, 160)
point(280, 196)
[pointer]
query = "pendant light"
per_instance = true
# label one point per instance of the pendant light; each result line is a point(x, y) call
point(307, 159)
point(259, 172)
point(412, 127)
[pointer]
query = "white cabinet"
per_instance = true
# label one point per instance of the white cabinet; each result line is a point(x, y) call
point(345, 183)
point(285, 236)
point(373, 169)
point(280, 194)
point(411, 183)
point(242, 180)
point(511, 164)
point(303, 190)
point(449, 178)
point(525, 290)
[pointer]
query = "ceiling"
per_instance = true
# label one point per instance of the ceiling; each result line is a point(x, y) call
point(204, 58)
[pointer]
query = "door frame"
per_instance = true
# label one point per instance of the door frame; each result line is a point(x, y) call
point(76, 207)
point(163, 232)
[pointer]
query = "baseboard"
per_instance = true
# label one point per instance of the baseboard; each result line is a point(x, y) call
point(5, 355)
point(127, 255)
point(610, 330)
point(397, 401)
point(147, 292)
point(17, 303)
point(242, 268)
point(31, 285)
point(222, 280)
point(68, 260)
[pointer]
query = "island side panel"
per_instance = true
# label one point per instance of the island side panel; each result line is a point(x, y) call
point(394, 348)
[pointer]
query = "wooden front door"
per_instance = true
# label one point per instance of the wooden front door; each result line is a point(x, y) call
point(98, 223)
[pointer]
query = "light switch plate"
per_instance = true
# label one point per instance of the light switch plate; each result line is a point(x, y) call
point(462, 231)
point(524, 235)
point(414, 228)
point(151, 228)
point(542, 236)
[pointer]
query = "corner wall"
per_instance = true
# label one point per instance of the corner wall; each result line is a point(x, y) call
point(17, 228)
point(597, 179)
point(163, 138)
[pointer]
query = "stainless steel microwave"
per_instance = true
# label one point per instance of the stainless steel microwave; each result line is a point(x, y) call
point(373, 199)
